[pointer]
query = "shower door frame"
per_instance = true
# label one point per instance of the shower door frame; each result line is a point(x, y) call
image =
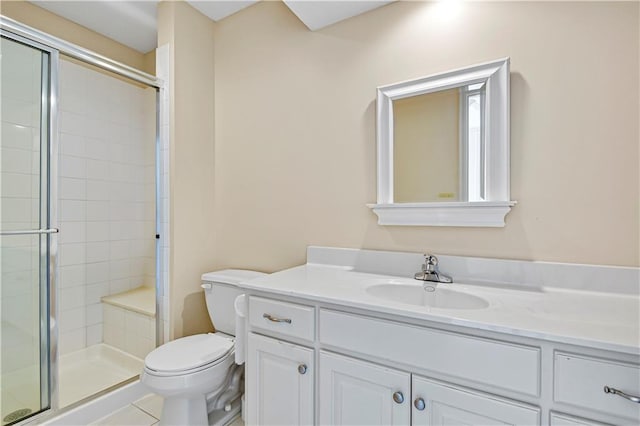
point(55, 46)
point(48, 353)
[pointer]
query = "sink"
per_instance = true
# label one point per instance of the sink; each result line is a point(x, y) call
point(415, 294)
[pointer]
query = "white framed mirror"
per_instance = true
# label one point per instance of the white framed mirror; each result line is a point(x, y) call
point(443, 148)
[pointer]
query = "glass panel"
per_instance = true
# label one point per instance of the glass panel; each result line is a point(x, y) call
point(23, 206)
point(106, 212)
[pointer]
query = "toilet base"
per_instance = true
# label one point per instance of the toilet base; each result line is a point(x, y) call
point(223, 418)
point(185, 411)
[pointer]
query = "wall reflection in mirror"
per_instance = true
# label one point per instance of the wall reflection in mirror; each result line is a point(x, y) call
point(438, 146)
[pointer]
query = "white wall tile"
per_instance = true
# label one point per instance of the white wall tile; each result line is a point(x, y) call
point(97, 231)
point(97, 252)
point(119, 286)
point(71, 276)
point(72, 145)
point(95, 292)
point(15, 136)
point(72, 297)
point(71, 341)
point(72, 211)
point(107, 156)
point(97, 272)
point(71, 254)
point(15, 185)
point(97, 169)
point(119, 269)
point(98, 211)
point(15, 160)
point(97, 190)
point(94, 314)
point(97, 149)
point(71, 319)
point(72, 167)
point(71, 232)
point(94, 334)
point(72, 189)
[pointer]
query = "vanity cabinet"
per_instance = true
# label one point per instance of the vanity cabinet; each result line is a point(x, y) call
point(280, 382)
point(358, 392)
point(317, 364)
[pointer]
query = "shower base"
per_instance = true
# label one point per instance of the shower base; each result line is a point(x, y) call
point(92, 370)
point(81, 374)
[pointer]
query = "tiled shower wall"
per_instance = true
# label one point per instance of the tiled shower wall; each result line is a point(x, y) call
point(106, 209)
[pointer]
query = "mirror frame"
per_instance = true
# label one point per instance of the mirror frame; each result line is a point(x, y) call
point(490, 212)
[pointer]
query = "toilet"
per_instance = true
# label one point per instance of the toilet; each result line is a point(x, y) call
point(198, 375)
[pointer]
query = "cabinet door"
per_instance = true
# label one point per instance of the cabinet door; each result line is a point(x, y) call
point(354, 392)
point(279, 382)
point(435, 403)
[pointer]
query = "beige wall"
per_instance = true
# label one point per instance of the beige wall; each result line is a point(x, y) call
point(295, 138)
point(57, 26)
point(190, 37)
point(425, 147)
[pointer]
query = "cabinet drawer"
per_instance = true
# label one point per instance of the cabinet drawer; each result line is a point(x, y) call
point(559, 419)
point(282, 318)
point(580, 381)
point(499, 364)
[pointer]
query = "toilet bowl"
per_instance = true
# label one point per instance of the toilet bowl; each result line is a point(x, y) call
point(197, 375)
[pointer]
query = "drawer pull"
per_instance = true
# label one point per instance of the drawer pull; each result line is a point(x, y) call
point(419, 404)
point(274, 319)
point(614, 391)
point(302, 368)
point(398, 397)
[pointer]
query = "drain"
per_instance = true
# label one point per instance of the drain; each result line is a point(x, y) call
point(16, 415)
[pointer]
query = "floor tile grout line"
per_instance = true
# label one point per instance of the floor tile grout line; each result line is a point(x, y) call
point(144, 411)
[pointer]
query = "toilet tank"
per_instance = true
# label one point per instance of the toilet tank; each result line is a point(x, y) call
point(220, 291)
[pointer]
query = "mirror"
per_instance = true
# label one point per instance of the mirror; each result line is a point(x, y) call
point(443, 148)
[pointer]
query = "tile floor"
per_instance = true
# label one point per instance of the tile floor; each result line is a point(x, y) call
point(144, 412)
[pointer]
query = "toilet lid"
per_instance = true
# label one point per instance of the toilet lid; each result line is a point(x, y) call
point(188, 353)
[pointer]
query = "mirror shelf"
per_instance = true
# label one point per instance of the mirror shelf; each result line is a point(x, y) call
point(481, 196)
point(481, 214)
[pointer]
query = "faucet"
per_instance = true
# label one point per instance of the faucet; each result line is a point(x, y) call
point(430, 271)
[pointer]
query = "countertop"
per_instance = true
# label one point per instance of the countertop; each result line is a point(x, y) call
point(608, 321)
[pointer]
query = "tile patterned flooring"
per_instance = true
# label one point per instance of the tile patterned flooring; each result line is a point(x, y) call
point(144, 412)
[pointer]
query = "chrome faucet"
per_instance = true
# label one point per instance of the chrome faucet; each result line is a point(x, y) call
point(430, 271)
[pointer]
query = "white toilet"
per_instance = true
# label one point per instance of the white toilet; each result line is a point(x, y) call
point(197, 375)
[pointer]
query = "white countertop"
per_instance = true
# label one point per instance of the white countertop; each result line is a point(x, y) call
point(608, 321)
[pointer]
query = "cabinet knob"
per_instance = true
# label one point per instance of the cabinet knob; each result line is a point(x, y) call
point(398, 397)
point(419, 404)
point(302, 368)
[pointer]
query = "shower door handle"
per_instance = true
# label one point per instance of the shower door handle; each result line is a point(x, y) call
point(31, 232)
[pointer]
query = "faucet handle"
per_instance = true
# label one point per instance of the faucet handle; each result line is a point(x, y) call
point(430, 259)
point(430, 262)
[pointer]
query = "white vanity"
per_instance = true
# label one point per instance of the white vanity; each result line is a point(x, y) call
point(351, 338)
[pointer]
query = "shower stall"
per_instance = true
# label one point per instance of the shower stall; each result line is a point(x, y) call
point(80, 291)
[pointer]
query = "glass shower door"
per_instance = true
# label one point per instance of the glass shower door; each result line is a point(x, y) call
point(24, 229)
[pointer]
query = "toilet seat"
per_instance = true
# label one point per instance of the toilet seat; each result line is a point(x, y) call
point(188, 355)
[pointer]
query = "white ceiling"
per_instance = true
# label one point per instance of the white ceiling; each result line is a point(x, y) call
point(133, 23)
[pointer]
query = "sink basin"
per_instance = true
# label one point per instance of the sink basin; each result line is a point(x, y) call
point(415, 294)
